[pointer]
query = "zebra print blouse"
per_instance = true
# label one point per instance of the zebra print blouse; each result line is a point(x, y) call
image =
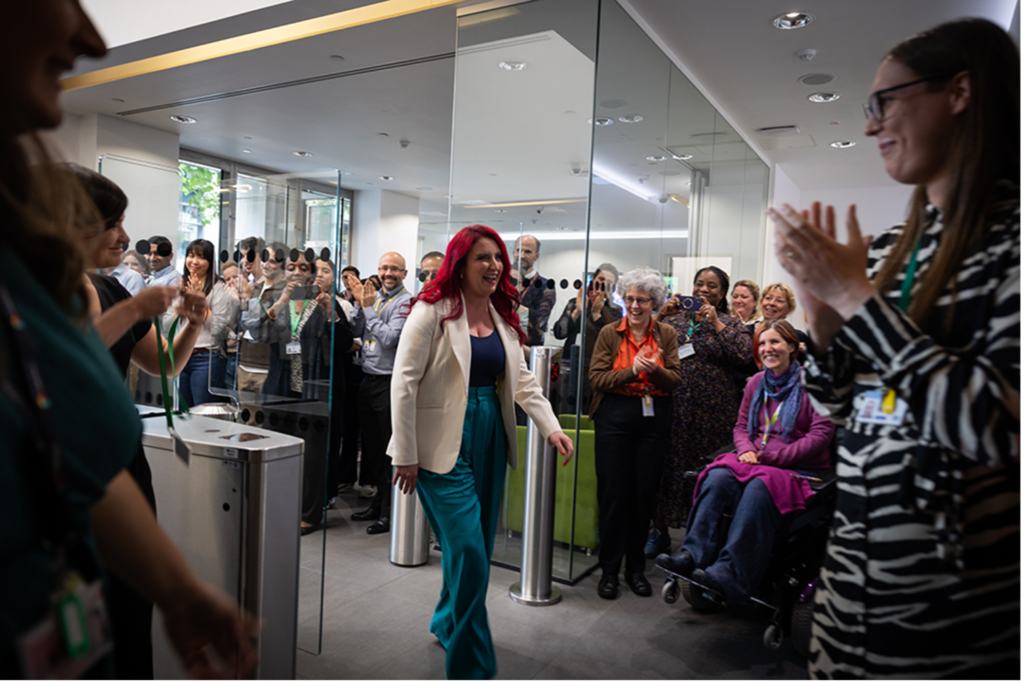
point(922, 573)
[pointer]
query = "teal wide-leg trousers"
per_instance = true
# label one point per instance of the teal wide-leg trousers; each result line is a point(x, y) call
point(463, 507)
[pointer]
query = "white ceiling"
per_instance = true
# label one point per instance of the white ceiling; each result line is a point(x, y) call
point(397, 79)
point(750, 69)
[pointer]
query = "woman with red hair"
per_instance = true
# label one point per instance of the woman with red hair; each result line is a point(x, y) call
point(458, 370)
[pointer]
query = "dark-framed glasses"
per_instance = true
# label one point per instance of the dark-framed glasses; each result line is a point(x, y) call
point(875, 106)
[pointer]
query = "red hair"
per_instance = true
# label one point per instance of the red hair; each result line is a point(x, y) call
point(447, 285)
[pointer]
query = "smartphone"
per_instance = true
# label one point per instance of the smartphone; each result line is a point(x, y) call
point(691, 303)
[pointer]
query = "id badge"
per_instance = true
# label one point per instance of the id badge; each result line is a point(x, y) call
point(871, 412)
point(648, 403)
point(293, 348)
point(73, 636)
point(686, 351)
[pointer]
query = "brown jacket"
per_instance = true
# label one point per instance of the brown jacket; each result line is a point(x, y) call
point(603, 378)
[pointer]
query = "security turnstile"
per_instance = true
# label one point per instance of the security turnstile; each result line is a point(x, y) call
point(234, 514)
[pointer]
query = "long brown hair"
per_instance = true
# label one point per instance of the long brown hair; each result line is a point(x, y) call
point(984, 150)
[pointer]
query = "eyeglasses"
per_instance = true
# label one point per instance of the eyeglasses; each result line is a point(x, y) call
point(642, 301)
point(389, 268)
point(875, 107)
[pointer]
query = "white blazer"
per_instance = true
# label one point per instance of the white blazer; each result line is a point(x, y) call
point(430, 389)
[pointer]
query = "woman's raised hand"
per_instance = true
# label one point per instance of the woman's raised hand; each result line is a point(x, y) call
point(563, 444)
point(671, 307)
point(153, 301)
point(193, 307)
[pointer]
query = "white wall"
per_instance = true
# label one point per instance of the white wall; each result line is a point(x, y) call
point(878, 208)
point(1015, 27)
point(384, 221)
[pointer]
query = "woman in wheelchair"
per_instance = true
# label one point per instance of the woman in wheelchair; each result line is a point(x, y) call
point(780, 442)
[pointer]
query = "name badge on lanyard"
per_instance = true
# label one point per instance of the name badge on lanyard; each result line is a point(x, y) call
point(293, 348)
point(879, 408)
point(648, 403)
point(686, 351)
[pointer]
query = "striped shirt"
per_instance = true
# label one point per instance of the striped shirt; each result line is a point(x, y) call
point(922, 573)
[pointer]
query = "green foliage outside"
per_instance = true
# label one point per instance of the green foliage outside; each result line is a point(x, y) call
point(200, 187)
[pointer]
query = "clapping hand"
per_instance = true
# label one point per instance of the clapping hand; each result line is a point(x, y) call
point(193, 306)
point(646, 360)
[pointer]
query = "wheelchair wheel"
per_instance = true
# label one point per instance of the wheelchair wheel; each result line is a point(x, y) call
point(670, 591)
point(800, 627)
point(772, 637)
point(693, 597)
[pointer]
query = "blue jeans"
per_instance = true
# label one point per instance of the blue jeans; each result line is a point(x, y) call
point(194, 380)
point(738, 563)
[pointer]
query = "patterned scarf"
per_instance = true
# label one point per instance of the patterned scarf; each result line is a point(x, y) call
point(779, 389)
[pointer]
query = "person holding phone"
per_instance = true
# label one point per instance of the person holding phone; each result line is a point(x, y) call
point(711, 344)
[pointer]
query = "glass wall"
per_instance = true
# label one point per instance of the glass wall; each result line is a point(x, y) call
point(569, 121)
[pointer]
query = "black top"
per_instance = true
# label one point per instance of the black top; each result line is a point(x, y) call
point(111, 293)
point(488, 359)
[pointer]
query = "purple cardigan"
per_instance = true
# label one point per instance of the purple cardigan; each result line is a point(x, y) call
point(808, 449)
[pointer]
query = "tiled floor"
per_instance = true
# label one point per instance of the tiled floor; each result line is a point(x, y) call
point(376, 615)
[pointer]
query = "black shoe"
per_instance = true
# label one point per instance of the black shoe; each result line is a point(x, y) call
point(608, 588)
point(680, 563)
point(368, 514)
point(381, 525)
point(705, 580)
point(306, 530)
point(638, 583)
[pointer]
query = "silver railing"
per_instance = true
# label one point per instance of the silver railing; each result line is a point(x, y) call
point(534, 587)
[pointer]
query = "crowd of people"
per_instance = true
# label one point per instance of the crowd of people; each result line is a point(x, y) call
point(912, 346)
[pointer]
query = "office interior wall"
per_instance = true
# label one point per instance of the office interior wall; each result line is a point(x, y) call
point(384, 221)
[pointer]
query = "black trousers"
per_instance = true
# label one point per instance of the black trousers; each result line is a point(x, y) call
point(375, 418)
point(628, 452)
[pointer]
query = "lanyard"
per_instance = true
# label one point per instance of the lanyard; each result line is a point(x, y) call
point(47, 466)
point(181, 448)
point(908, 278)
point(689, 332)
point(378, 307)
point(769, 423)
point(889, 400)
point(296, 321)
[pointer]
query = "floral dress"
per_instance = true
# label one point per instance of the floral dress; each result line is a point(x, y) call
point(704, 408)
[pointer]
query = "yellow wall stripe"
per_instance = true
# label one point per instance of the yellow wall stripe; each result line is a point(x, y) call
point(358, 16)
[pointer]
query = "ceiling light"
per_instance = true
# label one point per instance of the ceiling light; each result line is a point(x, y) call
point(247, 151)
point(511, 65)
point(655, 158)
point(631, 118)
point(501, 210)
point(117, 99)
point(601, 121)
point(183, 119)
point(424, 189)
point(337, 57)
point(792, 20)
point(816, 78)
point(821, 97)
point(844, 144)
point(387, 178)
point(682, 157)
point(302, 154)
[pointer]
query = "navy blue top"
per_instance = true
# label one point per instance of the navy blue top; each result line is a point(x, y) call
point(488, 359)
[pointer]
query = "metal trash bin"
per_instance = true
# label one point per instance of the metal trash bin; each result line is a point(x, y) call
point(234, 514)
point(410, 530)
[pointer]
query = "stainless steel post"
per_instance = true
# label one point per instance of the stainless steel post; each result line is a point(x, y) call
point(534, 587)
point(410, 532)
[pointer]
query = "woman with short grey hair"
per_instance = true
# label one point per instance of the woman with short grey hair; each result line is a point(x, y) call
point(647, 280)
point(633, 371)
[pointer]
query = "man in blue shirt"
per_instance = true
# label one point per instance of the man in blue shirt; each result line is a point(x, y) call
point(378, 318)
point(164, 274)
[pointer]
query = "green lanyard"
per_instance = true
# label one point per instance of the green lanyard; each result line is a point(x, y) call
point(689, 332)
point(908, 278)
point(181, 448)
point(769, 423)
point(296, 321)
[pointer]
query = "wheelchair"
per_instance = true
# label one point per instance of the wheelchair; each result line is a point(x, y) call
point(787, 589)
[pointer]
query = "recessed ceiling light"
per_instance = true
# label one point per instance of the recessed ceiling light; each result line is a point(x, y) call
point(424, 189)
point(601, 121)
point(117, 99)
point(247, 151)
point(337, 57)
point(823, 97)
point(302, 154)
point(844, 144)
point(682, 157)
point(512, 65)
point(792, 20)
point(387, 178)
point(655, 158)
point(501, 210)
point(631, 118)
point(183, 119)
point(816, 78)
